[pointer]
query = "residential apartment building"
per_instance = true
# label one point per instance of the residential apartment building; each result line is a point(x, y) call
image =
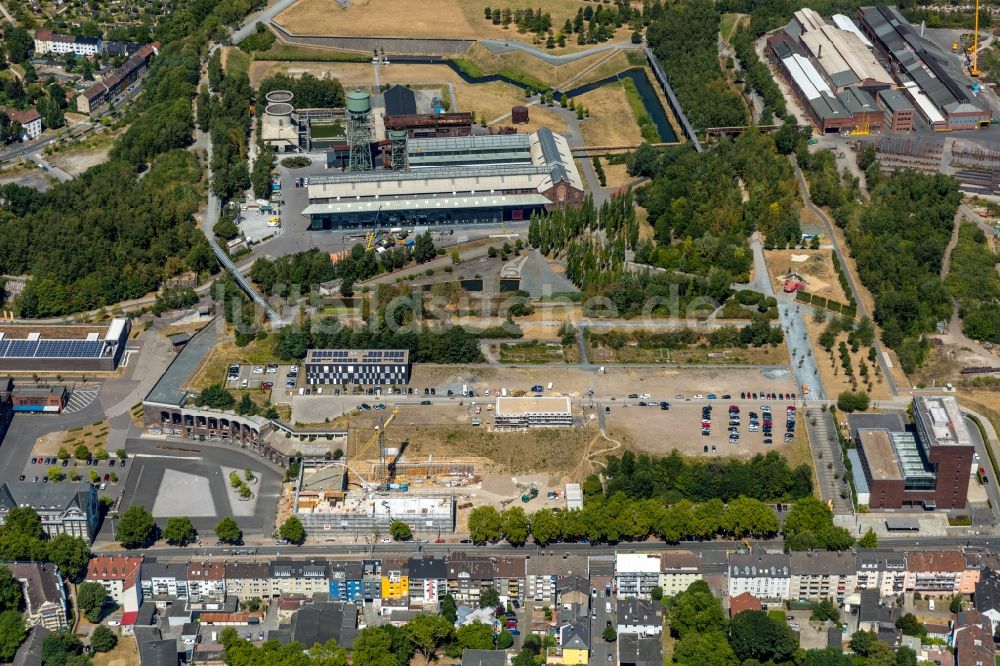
point(115, 83)
point(44, 593)
point(246, 580)
point(164, 582)
point(47, 41)
point(468, 576)
point(65, 508)
point(307, 578)
point(987, 597)
point(882, 570)
point(207, 584)
point(817, 575)
point(509, 577)
point(766, 576)
point(30, 120)
point(428, 580)
point(678, 571)
point(544, 569)
point(939, 572)
point(573, 590)
point(574, 645)
point(395, 583)
point(636, 574)
point(120, 576)
point(636, 650)
point(640, 616)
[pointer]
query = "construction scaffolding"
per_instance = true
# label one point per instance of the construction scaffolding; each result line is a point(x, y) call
point(369, 512)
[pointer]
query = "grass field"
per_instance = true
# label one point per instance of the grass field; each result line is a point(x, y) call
point(531, 352)
point(598, 353)
point(611, 122)
point(729, 23)
point(444, 19)
point(235, 61)
point(521, 66)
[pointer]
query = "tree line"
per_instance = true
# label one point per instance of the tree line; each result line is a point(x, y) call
point(974, 283)
point(685, 40)
point(309, 92)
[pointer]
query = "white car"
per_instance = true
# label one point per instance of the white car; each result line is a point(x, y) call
point(644, 396)
point(113, 623)
point(258, 370)
point(699, 396)
point(386, 540)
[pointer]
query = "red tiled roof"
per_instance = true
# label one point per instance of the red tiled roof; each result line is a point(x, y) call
point(743, 602)
point(114, 567)
point(935, 560)
point(23, 117)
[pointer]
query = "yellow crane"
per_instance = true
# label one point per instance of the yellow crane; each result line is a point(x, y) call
point(370, 244)
point(864, 130)
point(974, 65)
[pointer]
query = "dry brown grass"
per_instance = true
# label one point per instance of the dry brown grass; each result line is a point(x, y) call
point(94, 436)
point(603, 65)
point(445, 19)
point(213, 369)
point(611, 122)
point(817, 269)
point(124, 654)
point(834, 384)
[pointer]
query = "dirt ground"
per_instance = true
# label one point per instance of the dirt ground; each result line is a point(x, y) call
point(76, 162)
point(95, 436)
point(834, 384)
point(815, 266)
point(768, 355)
point(446, 19)
point(612, 122)
point(617, 175)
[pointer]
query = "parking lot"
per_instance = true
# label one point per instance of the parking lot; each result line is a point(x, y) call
point(110, 473)
point(273, 377)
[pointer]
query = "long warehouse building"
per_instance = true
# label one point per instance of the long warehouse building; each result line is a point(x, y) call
point(455, 180)
point(940, 91)
point(54, 348)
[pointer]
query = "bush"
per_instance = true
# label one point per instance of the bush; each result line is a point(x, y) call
point(296, 162)
point(853, 401)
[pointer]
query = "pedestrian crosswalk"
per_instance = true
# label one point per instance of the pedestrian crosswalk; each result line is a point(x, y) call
point(81, 398)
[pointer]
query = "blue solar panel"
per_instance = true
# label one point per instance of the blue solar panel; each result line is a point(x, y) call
point(51, 348)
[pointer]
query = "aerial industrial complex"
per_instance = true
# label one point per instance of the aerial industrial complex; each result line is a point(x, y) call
point(63, 349)
point(864, 79)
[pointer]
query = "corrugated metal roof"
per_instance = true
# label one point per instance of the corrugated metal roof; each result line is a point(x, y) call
point(426, 203)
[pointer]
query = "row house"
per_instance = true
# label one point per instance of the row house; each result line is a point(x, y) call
point(640, 616)
point(544, 569)
point(972, 636)
point(468, 576)
point(939, 572)
point(120, 576)
point(206, 585)
point(882, 570)
point(395, 592)
point(246, 580)
point(636, 574)
point(678, 571)
point(356, 581)
point(508, 578)
point(766, 576)
point(987, 597)
point(428, 580)
point(47, 41)
point(289, 577)
point(573, 591)
point(164, 582)
point(817, 575)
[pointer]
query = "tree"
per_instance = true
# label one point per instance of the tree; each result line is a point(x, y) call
point(103, 639)
point(515, 526)
point(869, 540)
point(809, 525)
point(136, 527)
point(228, 531)
point(449, 609)
point(374, 645)
point(12, 633)
point(861, 642)
point(292, 530)
point(400, 531)
point(544, 526)
point(22, 521)
point(90, 600)
point(911, 626)
point(504, 640)
point(825, 610)
point(656, 594)
point(63, 453)
point(19, 44)
point(609, 634)
point(484, 524)
point(704, 649)
point(427, 633)
point(81, 452)
point(956, 604)
point(476, 636)
point(489, 597)
point(696, 610)
point(71, 554)
point(754, 635)
point(55, 474)
point(179, 531)
point(423, 248)
point(853, 401)
point(11, 593)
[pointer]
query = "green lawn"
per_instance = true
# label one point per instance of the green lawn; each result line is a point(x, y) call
point(728, 24)
point(237, 62)
point(327, 131)
point(642, 118)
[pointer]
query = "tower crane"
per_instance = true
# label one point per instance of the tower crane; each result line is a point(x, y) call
point(974, 63)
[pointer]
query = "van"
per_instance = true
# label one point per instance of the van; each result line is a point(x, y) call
point(215, 636)
point(465, 390)
point(930, 604)
point(503, 393)
point(550, 385)
point(607, 607)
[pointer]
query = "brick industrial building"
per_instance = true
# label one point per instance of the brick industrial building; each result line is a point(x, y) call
point(925, 467)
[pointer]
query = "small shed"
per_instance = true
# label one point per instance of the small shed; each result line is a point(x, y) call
point(178, 340)
point(519, 115)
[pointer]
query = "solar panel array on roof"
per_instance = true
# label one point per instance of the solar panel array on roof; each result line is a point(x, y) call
point(51, 348)
point(357, 355)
